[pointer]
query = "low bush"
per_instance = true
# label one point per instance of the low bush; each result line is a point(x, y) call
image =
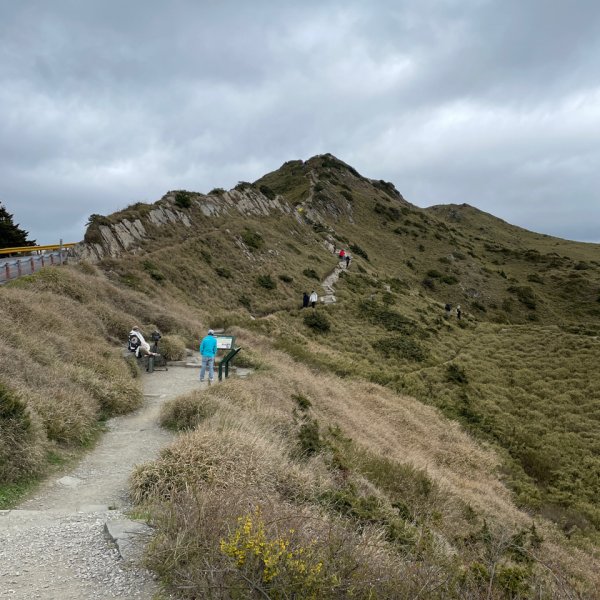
point(456, 374)
point(525, 295)
point(400, 347)
point(21, 448)
point(187, 411)
point(359, 251)
point(172, 347)
point(311, 274)
point(183, 199)
point(252, 239)
point(317, 321)
point(286, 278)
point(266, 281)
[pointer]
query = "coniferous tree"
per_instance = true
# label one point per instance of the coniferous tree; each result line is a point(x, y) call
point(12, 235)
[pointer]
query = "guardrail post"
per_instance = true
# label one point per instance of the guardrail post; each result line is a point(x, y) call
point(7, 271)
point(19, 268)
point(43, 265)
point(32, 265)
point(60, 252)
point(51, 259)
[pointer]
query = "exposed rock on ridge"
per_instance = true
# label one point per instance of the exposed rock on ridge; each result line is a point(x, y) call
point(126, 235)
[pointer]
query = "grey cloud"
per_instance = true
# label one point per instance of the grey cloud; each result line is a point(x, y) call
point(492, 103)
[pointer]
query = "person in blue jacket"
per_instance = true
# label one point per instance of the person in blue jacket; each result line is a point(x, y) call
point(208, 351)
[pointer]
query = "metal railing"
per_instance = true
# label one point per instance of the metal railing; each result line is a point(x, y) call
point(13, 267)
point(36, 249)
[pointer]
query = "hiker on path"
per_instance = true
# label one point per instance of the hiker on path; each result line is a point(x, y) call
point(448, 309)
point(342, 254)
point(313, 299)
point(458, 312)
point(348, 259)
point(208, 351)
point(305, 300)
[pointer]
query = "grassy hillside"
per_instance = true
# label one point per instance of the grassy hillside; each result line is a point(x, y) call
point(335, 438)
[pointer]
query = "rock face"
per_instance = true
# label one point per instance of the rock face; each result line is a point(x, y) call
point(127, 234)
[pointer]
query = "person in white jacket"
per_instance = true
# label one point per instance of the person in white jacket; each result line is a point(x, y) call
point(313, 298)
point(143, 348)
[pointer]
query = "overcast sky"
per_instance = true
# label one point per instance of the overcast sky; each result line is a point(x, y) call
point(494, 103)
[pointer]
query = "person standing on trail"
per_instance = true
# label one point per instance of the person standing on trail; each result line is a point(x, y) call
point(342, 254)
point(448, 309)
point(305, 300)
point(313, 299)
point(348, 259)
point(458, 312)
point(208, 351)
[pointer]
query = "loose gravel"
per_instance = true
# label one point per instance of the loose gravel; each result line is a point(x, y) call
point(54, 546)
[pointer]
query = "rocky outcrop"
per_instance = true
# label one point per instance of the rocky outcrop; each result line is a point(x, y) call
point(114, 239)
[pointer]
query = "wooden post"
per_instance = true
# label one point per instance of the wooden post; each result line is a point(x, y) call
point(32, 264)
point(7, 271)
point(60, 251)
point(19, 267)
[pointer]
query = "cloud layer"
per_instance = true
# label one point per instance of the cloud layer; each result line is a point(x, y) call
point(496, 104)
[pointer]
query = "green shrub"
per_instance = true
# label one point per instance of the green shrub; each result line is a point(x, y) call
point(317, 321)
point(266, 281)
point(216, 192)
point(187, 411)
point(449, 279)
point(400, 347)
point(310, 273)
point(535, 278)
point(456, 374)
point(391, 213)
point(582, 266)
point(172, 347)
point(385, 317)
point(245, 301)
point(268, 192)
point(183, 199)
point(302, 401)
point(359, 251)
point(525, 295)
point(433, 274)
point(20, 446)
point(223, 272)
point(286, 278)
point(252, 239)
point(348, 195)
point(309, 439)
point(153, 270)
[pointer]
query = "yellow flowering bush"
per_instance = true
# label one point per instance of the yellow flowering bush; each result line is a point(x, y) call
point(272, 563)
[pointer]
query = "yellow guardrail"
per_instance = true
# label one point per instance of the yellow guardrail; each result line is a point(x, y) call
point(36, 248)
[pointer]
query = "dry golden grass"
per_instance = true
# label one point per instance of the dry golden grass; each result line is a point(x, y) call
point(244, 453)
point(57, 348)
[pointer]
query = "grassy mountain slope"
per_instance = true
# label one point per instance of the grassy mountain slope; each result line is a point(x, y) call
point(520, 292)
point(517, 372)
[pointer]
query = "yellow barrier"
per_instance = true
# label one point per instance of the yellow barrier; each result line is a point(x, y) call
point(34, 248)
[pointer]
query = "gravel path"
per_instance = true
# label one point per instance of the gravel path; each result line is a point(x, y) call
point(330, 281)
point(55, 545)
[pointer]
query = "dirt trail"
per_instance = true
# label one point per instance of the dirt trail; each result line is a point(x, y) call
point(54, 547)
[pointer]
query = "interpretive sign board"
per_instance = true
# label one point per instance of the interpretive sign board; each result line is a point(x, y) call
point(225, 342)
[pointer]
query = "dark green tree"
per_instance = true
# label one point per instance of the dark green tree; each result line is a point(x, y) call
point(12, 235)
